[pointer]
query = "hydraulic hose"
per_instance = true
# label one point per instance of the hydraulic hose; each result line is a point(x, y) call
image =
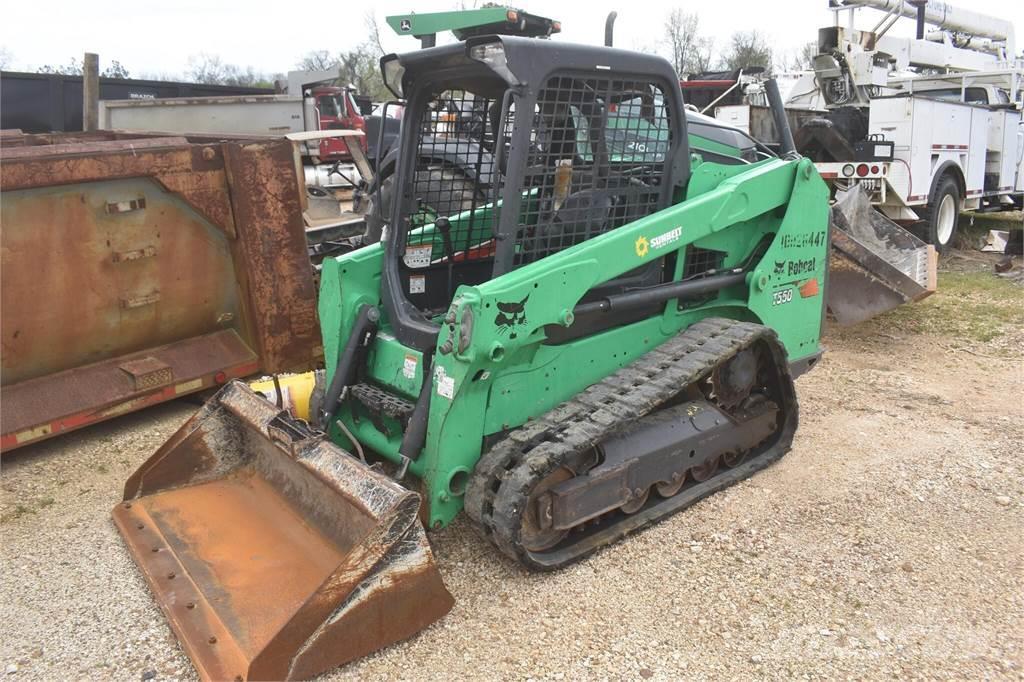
point(363, 332)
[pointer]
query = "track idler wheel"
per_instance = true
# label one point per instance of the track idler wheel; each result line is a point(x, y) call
point(733, 380)
point(537, 533)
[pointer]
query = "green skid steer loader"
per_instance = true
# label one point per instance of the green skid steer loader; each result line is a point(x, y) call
point(604, 333)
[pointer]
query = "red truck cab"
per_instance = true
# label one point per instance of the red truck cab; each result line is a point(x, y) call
point(337, 110)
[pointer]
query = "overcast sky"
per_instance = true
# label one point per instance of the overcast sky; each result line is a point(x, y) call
point(151, 37)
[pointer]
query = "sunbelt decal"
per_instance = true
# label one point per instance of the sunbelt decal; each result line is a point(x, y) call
point(644, 245)
point(667, 238)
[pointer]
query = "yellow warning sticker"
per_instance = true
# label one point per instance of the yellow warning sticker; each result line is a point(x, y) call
point(188, 386)
point(31, 434)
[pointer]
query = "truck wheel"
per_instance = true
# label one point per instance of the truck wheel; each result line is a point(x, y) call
point(446, 191)
point(943, 214)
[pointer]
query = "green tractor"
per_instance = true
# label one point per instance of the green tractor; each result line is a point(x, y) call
point(605, 332)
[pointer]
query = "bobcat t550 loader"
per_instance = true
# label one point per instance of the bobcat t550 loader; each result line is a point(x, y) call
point(602, 334)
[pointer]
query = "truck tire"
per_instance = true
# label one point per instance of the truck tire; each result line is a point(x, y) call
point(943, 214)
point(448, 192)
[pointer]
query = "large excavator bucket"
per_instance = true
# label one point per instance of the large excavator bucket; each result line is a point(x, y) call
point(874, 264)
point(275, 554)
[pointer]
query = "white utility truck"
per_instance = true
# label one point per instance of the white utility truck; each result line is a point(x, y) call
point(928, 126)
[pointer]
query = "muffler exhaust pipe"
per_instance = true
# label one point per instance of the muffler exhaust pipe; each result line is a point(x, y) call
point(787, 148)
point(609, 28)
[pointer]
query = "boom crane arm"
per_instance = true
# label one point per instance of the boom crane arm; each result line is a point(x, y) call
point(943, 16)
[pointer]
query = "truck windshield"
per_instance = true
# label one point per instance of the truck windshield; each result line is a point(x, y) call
point(329, 105)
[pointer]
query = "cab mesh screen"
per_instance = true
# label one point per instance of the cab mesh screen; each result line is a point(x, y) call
point(599, 149)
point(596, 159)
point(455, 178)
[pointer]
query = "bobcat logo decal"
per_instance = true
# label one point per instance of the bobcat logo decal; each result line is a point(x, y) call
point(511, 315)
point(780, 267)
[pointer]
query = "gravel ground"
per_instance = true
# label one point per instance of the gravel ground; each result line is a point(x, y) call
point(887, 543)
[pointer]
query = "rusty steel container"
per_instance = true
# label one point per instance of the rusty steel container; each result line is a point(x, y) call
point(135, 269)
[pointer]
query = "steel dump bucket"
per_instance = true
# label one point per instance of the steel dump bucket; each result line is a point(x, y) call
point(874, 264)
point(275, 554)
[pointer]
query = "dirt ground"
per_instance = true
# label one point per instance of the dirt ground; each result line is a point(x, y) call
point(887, 543)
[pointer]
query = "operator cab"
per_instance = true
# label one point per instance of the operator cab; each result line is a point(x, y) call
point(510, 160)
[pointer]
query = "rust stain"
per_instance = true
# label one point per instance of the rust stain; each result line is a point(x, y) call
point(269, 222)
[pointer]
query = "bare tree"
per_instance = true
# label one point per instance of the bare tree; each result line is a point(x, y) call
point(160, 76)
point(746, 49)
point(317, 60)
point(115, 70)
point(211, 69)
point(807, 54)
point(688, 51)
point(206, 68)
point(74, 68)
point(373, 29)
point(6, 58)
point(248, 77)
point(358, 67)
point(799, 59)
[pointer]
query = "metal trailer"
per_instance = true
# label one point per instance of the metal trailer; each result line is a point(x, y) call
point(275, 115)
point(52, 102)
point(258, 115)
point(137, 269)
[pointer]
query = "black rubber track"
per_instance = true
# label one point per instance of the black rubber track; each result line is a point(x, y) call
point(503, 478)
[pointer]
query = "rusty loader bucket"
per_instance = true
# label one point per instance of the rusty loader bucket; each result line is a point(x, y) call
point(275, 554)
point(137, 268)
point(874, 264)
